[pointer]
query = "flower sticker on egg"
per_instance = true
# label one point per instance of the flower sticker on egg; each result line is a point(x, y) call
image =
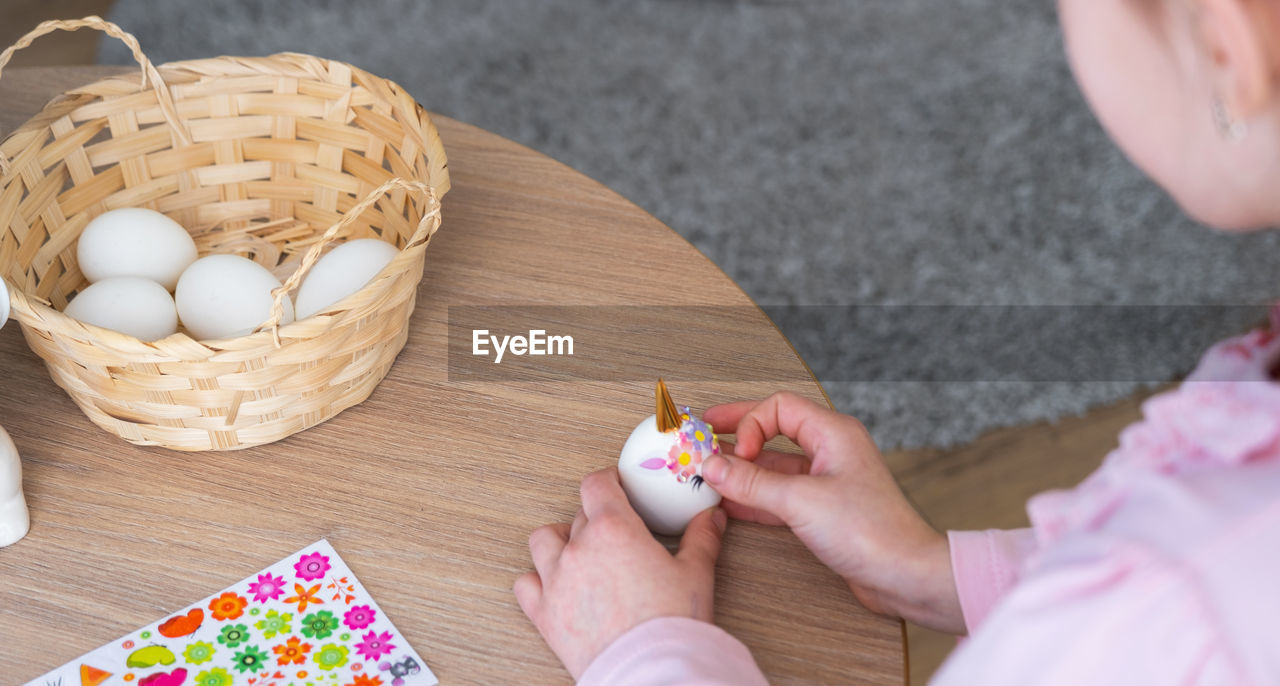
point(696, 442)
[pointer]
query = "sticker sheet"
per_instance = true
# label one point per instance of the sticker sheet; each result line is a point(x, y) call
point(304, 621)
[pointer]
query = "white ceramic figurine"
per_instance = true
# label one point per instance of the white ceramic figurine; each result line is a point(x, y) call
point(661, 467)
point(14, 519)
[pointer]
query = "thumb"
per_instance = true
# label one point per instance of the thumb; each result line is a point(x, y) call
point(750, 484)
point(701, 541)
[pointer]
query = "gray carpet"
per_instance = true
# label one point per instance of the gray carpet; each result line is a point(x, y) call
point(905, 152)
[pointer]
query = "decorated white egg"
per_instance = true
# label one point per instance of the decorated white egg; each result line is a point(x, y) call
point(661, 467)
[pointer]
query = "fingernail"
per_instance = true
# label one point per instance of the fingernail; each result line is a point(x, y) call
point(715, 469)
point(720, 519)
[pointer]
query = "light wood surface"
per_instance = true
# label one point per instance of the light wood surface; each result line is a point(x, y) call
point(430, 488)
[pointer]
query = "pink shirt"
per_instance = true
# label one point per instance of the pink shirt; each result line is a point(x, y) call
point(1162, 567)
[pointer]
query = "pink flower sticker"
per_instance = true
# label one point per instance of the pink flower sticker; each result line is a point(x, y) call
point(359, 617)
point(375, 645)
point(312, 566)
point(267, 587)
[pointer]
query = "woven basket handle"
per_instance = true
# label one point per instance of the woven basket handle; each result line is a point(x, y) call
point(426, 228)
point(149, 72)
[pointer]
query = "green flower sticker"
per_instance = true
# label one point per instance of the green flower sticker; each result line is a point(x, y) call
point(275, 623)
point(250, 660)
point(233, 635)
point(255, 611)
point(144, 635)
point(331, 656)
point(319, 624)
point(214, 677)
point(198, 653)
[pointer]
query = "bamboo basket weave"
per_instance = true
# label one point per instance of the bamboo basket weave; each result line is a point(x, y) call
point(272, 158)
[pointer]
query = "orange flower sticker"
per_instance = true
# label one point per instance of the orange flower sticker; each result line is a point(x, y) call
point(365, 680)
point(227, 606)
point(304, 597)
point(292, 651)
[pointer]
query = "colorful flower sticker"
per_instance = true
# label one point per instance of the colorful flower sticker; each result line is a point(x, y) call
point(312, 566)
point(275, 623)
point(304, 597)
point(375, 645)
point(694, 443)
point(272, 628)
point(267, 587)
point(214, 677)
point(331, 656)
point(233, 635)
point(292, 651)
point(359, 617)
point(320, 624)
point(250, 659)
point(227, 606)
point(199, 652)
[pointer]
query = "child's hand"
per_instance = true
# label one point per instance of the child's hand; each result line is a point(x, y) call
point(605, 574)
point(840, 500)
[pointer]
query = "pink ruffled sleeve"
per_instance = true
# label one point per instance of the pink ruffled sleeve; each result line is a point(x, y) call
point(986, 565)
point(674, 650)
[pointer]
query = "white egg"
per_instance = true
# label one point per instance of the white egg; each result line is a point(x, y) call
point(343, 271)
point(224, 296)
point(131, 305)
point(661, 473)
point(135, 242)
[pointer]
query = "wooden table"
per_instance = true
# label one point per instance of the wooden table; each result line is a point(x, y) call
point(430, 488)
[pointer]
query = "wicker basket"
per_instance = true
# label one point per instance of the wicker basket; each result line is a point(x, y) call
point(272, 158)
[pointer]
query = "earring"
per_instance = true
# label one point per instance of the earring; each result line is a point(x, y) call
point(1229, 128)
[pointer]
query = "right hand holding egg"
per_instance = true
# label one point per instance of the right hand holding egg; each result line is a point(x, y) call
point(840, 499)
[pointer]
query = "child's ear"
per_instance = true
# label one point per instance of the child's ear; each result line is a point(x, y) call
point(1241, 39)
